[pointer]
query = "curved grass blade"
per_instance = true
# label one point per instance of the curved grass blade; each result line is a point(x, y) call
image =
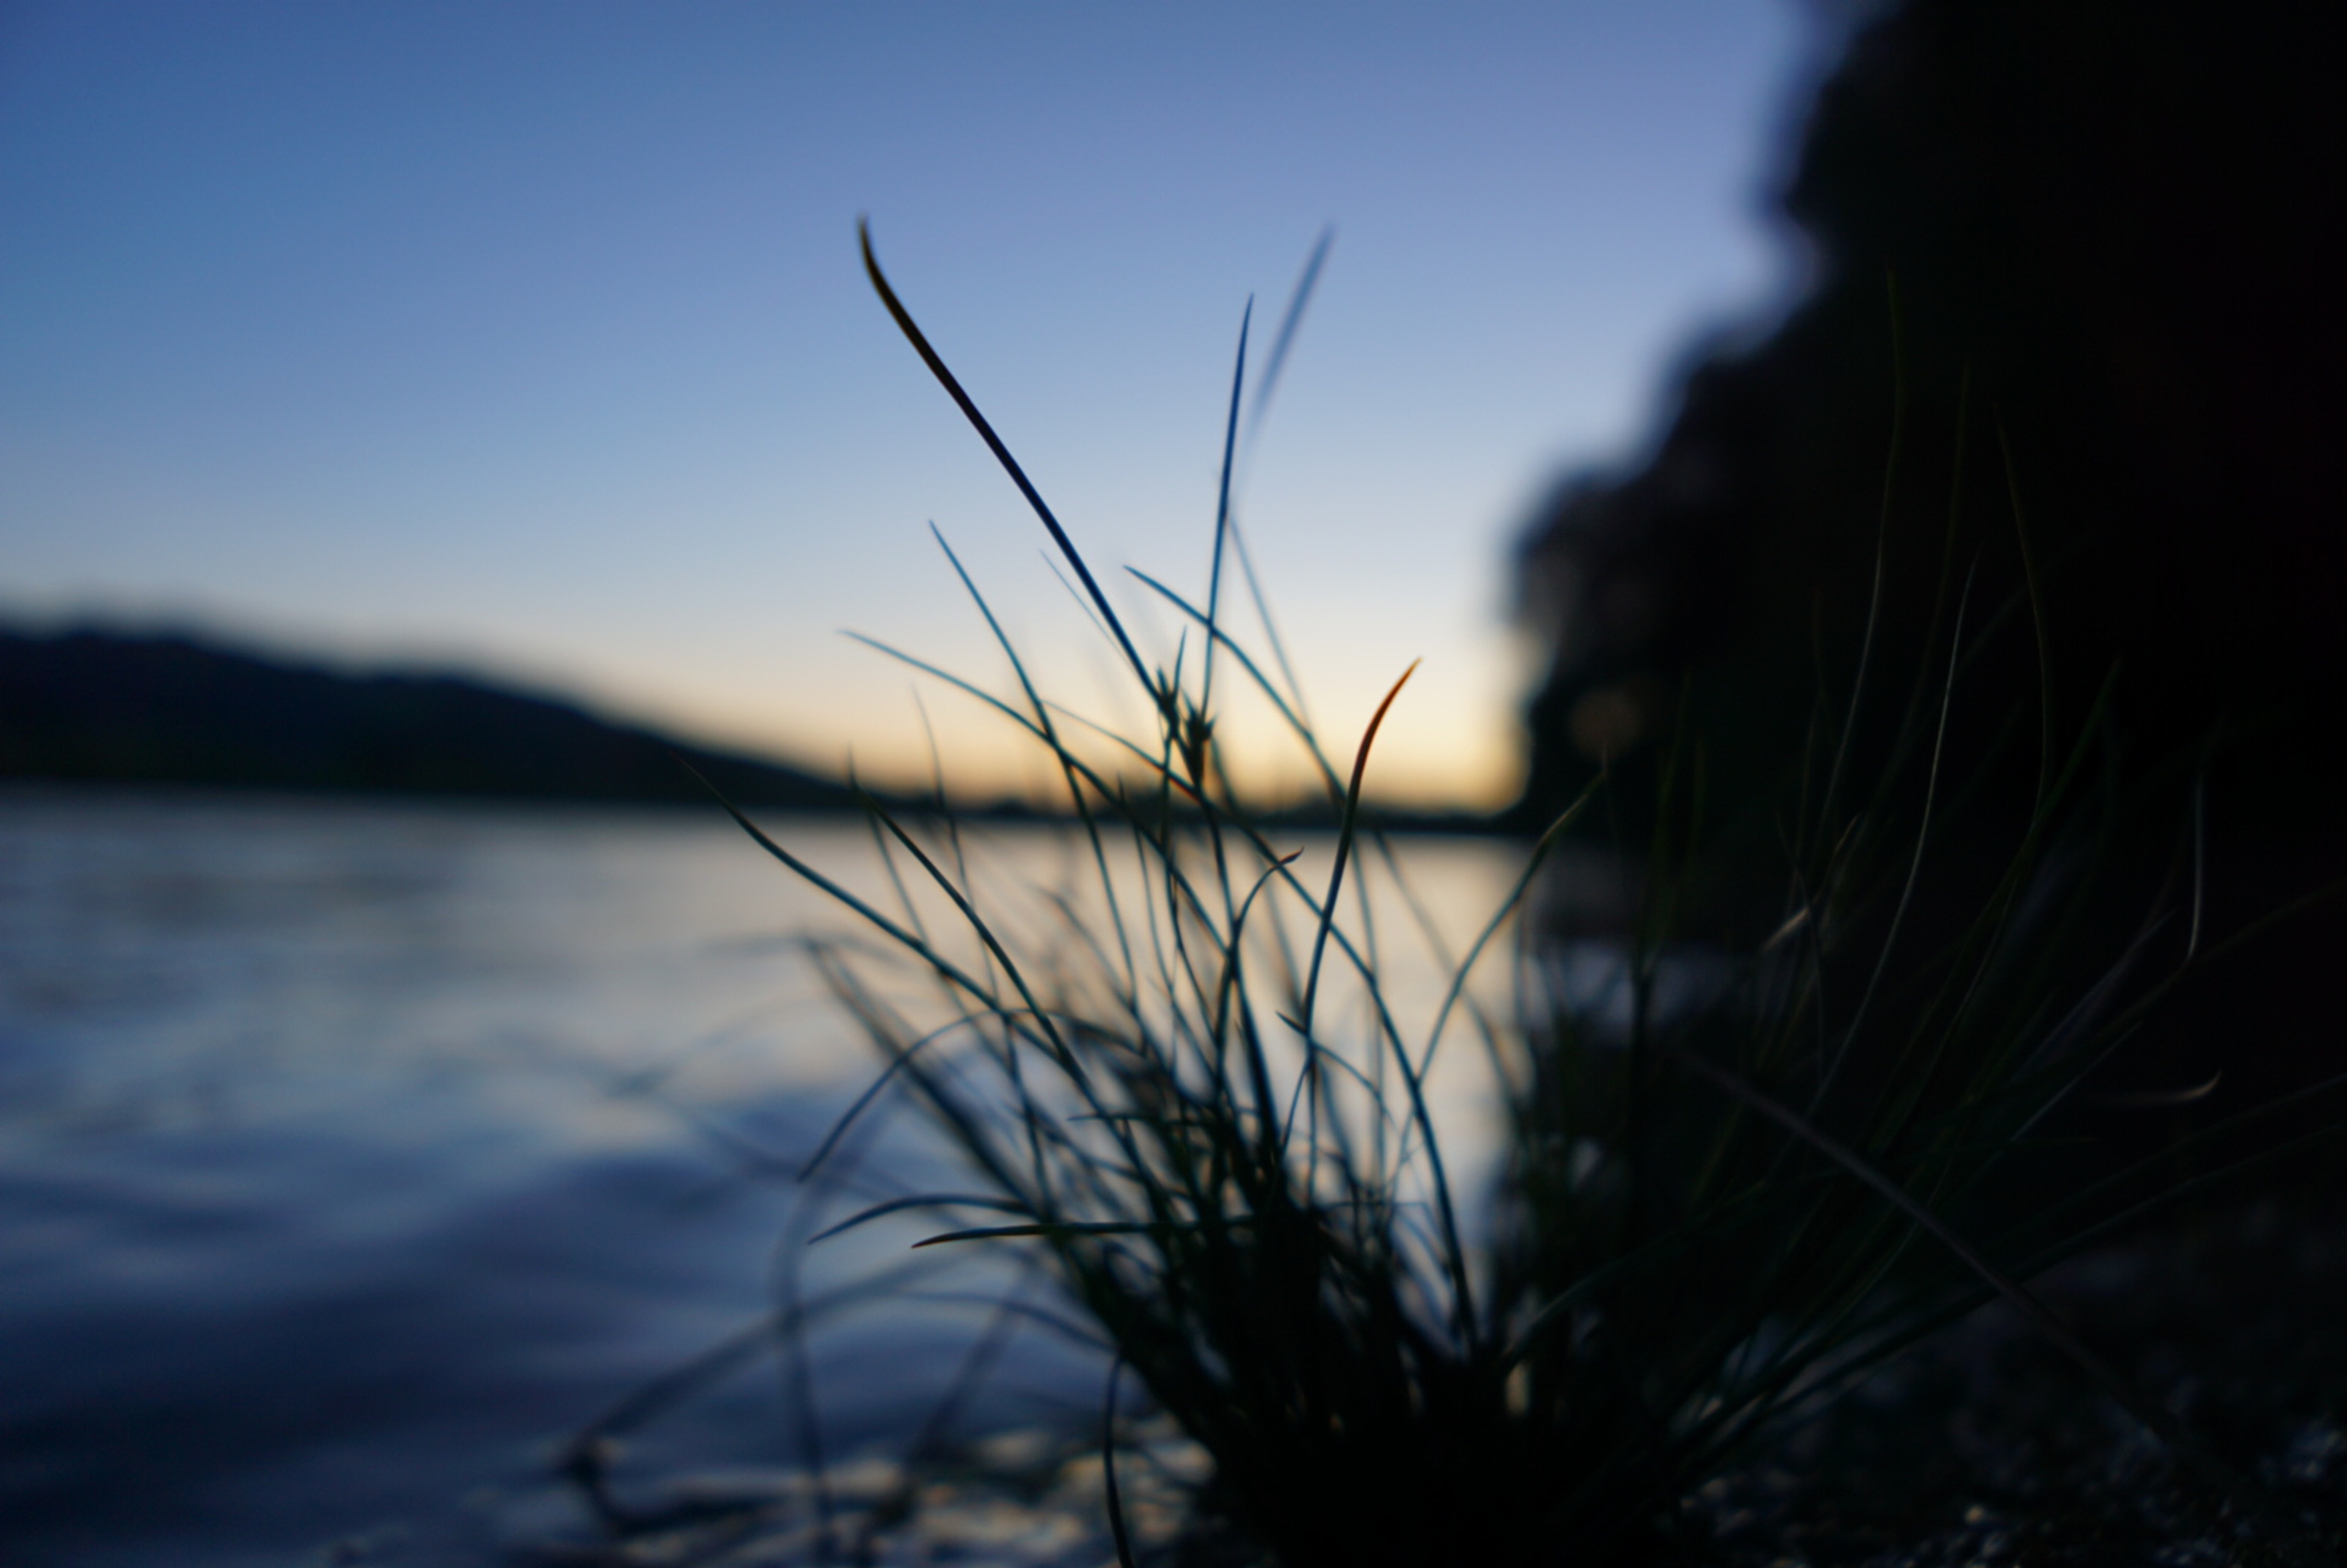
point(1345, 846)
point(1292, 319)
point(1541, 848)
point(1058, 1229)
point(897, 1063)
point(1108, 1470)
point(1289, 321)
point(920, 342)
point(920, 1201)
point(1202, 722)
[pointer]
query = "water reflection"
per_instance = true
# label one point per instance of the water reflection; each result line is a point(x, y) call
point(352, 1155)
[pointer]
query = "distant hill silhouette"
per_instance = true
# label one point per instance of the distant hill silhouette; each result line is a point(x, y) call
point(96, 706)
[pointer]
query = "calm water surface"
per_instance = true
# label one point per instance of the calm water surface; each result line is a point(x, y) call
point(353, 1155)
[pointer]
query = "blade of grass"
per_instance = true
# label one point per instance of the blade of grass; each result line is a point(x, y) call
point(929, 357)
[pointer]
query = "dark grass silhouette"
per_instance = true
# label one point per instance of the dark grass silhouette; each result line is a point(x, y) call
point(1186, 1092)
point(2077, 261)
point(2116, 230)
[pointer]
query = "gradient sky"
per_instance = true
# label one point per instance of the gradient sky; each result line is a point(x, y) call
point(532, 339)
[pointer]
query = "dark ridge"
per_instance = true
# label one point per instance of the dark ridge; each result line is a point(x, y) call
point(92, 706)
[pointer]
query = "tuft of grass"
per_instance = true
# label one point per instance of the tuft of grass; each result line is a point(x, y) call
point(1186, 1089)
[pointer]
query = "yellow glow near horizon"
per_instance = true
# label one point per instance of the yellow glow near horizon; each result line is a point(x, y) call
point(532, 340)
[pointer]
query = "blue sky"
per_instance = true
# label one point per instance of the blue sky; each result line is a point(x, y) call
point(531, 338)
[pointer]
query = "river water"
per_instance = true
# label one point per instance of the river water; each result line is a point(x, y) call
point(354, 1155)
